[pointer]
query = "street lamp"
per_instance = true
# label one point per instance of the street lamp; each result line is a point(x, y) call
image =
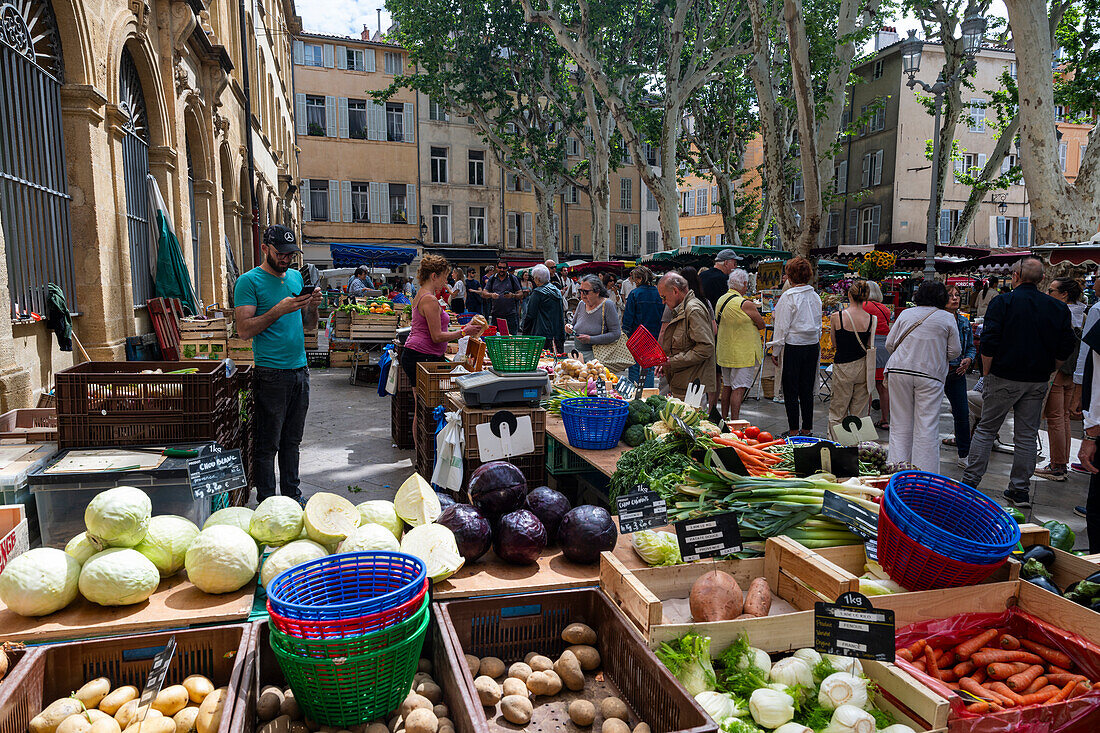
point(973, 29)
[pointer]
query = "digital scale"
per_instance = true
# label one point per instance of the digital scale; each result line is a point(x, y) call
point(490, 387)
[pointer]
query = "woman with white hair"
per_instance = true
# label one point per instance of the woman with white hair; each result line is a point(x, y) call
point(739, 348)
point(545, 315)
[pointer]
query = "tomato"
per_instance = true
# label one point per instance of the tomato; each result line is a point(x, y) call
point(750, 441)
point(740, 435)
point(765, 437)
point(752, 431)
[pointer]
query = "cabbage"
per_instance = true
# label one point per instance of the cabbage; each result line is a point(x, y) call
point(288, 556)
point(167, 541)
point(236, 516)
point(118, 576)
point(278, 520)
point(656, 548)
point(222, 559)
point(119, 517)
point(39, 581)
point(381, 512)
point(370, 538)
point(83, 546)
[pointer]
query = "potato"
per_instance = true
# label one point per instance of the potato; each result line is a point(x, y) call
point(424, 665)
point(431, 691)
point(516, 709)
point(569, 670)
point(153, 725)
point(473, 663)
point(117, 698)
point(186, 719)
point(94, 715)
point(582, 713)
point(579, 634)
point(488, 691)
point(539, 684)
point(395, 724)
point(614, 725)
point(127, 715)
point(105, 725)
point(514, 686)
point(588, 656)
point(441, 710)
point(520, 670)
point(377, 727)
point(758, 599)
point(421, 720)
point(300, 727)
point(421, 677)
point(715, 596)
point(555, 681)
point(269, 703)
point(92, 692)
point(290, 705)
point(210, 712)
point(539, 663)
point(198, 687)
point(642, 728)
point(412, 702)
point(280, 724)
point(77, 723)
point(171, 700)
point(492, 667)
point(613, 707)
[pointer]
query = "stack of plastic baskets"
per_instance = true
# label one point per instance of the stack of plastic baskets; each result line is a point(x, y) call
point(593, 423)
point(804, 440)
point(934, 532)
point(514, 353)
point(347, 631)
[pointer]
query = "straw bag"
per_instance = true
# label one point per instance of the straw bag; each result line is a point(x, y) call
point(615, 355)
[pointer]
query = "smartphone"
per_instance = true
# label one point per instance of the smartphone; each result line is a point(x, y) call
point(306, 290)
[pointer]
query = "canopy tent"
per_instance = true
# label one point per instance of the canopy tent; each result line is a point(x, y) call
point(1082, 253)
point(371, 255)
point(845, 252)
point(588, 268)
point(701, 255)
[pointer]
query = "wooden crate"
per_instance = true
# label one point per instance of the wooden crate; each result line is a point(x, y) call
point(472, 417)
point(341, 359)
point(374, 325)
point(210, 328)
point(1067, 567)
point(240, 351)
point(203, 349)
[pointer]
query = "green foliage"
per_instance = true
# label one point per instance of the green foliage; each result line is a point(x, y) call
point(1078, 34)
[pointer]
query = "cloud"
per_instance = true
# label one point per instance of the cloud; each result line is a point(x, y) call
point(341, 17)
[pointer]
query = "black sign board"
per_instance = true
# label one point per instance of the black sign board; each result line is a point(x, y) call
point(827, 457)
point(852, 627)
point(155, 680)
point(601, 387)
point(216, 472)
point(640, 510)
point(730, 460)
point(626, 388)
point(861, 521)
point(714, 536)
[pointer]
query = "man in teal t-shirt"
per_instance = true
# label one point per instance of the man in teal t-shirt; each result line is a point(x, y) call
point(274, 309)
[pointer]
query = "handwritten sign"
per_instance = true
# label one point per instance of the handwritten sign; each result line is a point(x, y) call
point(216, 472)
point(714, 536)
point(641, 510)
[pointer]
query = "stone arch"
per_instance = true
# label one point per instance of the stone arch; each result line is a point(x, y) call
point(246, 252)
point(145, 61)
point(205, 229)
point(74, 32)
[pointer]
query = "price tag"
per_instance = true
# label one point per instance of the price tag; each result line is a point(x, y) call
point(626, 389)
point(601, 387)
point(852, 627)
point(216, 472)
point(157, 673)
point(714, 536)
point(505, 435)
point(695, 395)
point(640, 510)
point(861, 521)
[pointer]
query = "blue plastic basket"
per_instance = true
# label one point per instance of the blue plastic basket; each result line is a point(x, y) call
point(464, 318)
point(347, 586)
point(950, 518)
point(806, 440)
point(593, 423)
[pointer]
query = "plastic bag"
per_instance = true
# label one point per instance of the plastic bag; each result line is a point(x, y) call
point(387, 382)
point(449, 440)
point(1078, 714)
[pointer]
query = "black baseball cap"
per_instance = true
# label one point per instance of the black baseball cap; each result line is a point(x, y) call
point(281, 238)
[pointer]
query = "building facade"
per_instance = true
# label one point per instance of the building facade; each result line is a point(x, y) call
point(700, 217)
point(105, 98)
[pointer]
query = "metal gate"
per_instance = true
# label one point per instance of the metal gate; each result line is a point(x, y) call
point(34, 198)
point(135, 168)
point(196, 224)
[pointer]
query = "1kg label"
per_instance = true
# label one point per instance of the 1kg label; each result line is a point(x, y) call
point(852, 627)
point(714, 536)
point(641, 510)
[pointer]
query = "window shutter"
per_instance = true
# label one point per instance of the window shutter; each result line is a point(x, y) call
point(328, 54)
point(690, 202)
point(342, 115)
point(713, 199)
point(333, 200)
point(376, 121)
point(330, 116)
point(528, 238)
point(1005, 165)
point(945, 226)
point(374, 202)
point(683, 241)
point(306, 214)
point(865, 181)
point(876, 214)
point(410, 204)
point(981, 161)
point(300, 123)
point(341, 57)
point(1002, 235)
point(633, 237)
point(853, 226)
point(1023, 236)
point(299, 52)
point(513, 229)
point(619, 247)
point(368, 59)
point(842, 177)
point(384, 203)
point(878, 167)
point(527, 184)
point(410, 124)
point(345, 187)
point(959, 166)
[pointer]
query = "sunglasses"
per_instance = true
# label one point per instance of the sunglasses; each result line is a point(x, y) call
point(585, 291)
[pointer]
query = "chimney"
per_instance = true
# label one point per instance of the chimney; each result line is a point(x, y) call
point(886, 36)
point(365, 35)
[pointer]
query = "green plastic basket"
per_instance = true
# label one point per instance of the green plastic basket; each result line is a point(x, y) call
point(352, 646)
point(561, 461)
point(514, 353)
point(352, 690)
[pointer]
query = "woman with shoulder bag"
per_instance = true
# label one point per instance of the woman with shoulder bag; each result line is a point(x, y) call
point(853, 333)
point(921, 343)
point(596, 320)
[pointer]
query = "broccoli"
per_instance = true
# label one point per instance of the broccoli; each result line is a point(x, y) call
point(638, 413)
point(634, 435)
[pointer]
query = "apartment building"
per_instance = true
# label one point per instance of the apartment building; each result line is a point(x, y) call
point(700, 217)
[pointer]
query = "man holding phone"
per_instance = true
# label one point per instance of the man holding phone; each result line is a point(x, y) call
point(274, 308)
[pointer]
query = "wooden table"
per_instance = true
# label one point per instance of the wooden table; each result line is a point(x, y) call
point(176, 604)
point(602, 460)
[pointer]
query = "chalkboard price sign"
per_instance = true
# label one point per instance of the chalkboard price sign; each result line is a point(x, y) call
point(714, 536)
point(214, 473)
point(641, 510)
point(852, 627)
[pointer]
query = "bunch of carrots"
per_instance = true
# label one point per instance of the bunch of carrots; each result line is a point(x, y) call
point(757, 461)
point(997, 670)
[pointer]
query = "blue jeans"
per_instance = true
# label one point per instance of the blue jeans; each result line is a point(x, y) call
point(636, 372)
point(281, 400)
point(955, 389)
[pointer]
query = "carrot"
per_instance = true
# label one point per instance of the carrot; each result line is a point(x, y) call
point(974, 688)
point(919, 664)
point(1055, 669)
point(967, 648)
point(917, 647)
point(979, 675)
point(1005, 691)
point(1039, 683)
point(930, 663)
point(983, 707)
point(1081, 689)
point(904, 654)
point(1042, 696)
point(1001, 655)
point(1009, 642)
point(769, 445)
point(1096, 686)
point(1022, 680)
point(988, 691)
point(962, 669)
point(1063, 693)
point(1064, 679)
point(1051, 655)
point(946, 659)
point(953, 685)
point(1003, 670)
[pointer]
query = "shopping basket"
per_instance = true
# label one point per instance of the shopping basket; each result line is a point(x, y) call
point(514, 353)
point(347, 586)
point(645, 349)
point(916, 567)
point(351, 646)
point(593, 423)
point(344, 628)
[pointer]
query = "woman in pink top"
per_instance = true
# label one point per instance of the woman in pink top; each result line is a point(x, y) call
point(429, 336)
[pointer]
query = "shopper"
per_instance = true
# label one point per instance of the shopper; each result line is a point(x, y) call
point(853, 333)
point(458, 291)
point(544, 316)
point(1090, 402)
point(715, 281)
point(1060, 398)
point(797, 338)
point(983, 296)
point(877, 308)
point(955, 386)
point(688, 339)
point(1026, 336)
point(360, 282)
point(922, 341)
point(274, 309)
point(527, 286)
point(504, 291)
point(739, 348)
point(596, 320)
point(1092, 316)
point(429, 335)
point(626, 285)
point(473, 292)
point(643, 308)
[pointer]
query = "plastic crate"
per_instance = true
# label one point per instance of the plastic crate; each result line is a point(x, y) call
point(561, 461)
point(401, 419)
point(473, 416)
point(514, 353)
point(433, 379)
point(34, 425)
point(122, 389)
point(221, 653)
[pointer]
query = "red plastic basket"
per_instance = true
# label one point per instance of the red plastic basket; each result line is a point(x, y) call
point(348, 627)
point(645, 349)
point(915, 567)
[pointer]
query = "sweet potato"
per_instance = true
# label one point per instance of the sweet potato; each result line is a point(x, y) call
point(758, 600)
point(715, 596)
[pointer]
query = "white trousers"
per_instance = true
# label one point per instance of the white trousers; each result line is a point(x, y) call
point(915, 420)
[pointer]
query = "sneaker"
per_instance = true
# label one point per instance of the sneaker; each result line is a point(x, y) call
point(1002, 447)
point(962, 462)
point(1078, 468)
point(1080, 511)
point(1019, 500)
point(1050, 473)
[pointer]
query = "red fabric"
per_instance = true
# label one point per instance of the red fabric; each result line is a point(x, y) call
point(882, 312)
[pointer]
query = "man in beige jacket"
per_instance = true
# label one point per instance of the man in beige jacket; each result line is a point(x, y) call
point(688, 338)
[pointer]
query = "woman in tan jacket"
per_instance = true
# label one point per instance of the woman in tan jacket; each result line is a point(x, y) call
point(688, 338)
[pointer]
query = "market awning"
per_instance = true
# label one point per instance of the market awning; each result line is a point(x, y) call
point(600, 266)
point(570, 263)
point(372, 255)
point(1083, 253)
point(703, 254)
point(899, 249)
point(465, 255)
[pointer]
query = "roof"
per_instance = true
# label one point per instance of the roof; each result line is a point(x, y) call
point(346, 39)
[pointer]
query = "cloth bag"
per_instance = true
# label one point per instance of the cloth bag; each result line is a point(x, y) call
point(615, 355)
point(448, 453)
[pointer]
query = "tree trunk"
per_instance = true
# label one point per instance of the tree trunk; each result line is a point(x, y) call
point(728, 206)
point(599, 173)
point(601, 220)
point(801, 77)
point(545, 236)
point(764, 224)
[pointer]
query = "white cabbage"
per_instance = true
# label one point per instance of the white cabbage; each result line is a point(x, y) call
point(40, 581)
point(277, 520)
point(83, 546)
point(236, 516)
point(119, 517)
point(288, 556)
point(118, 576)
point(656, 548)
point(381, 512)
point(166, 542)
point(222, 559)
point(370, 538)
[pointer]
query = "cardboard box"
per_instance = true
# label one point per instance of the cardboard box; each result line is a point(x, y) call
point(14, 533)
